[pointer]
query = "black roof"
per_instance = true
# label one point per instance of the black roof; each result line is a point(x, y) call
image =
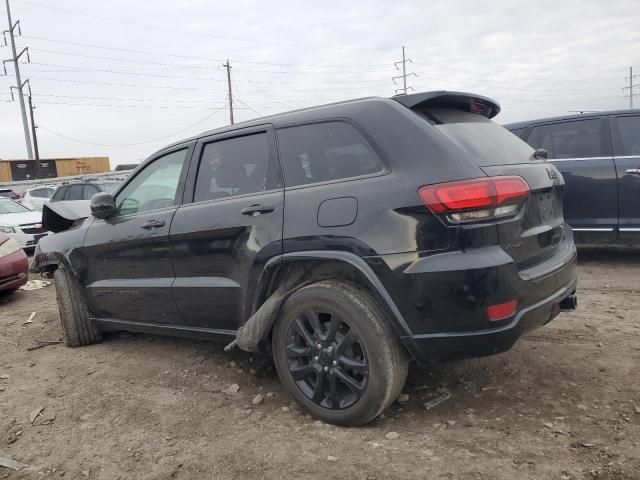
point(574, 116)
point(311, 113)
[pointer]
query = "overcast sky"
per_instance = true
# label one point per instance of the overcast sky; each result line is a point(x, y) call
point(124, 78)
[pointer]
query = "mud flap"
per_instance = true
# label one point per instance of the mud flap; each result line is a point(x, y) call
point(258, 326)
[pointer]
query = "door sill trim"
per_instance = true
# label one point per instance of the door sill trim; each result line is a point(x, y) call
point(592, 229)
point(112, 324)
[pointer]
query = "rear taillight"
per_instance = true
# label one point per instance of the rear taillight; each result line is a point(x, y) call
point(477, 199)
point(502, 310)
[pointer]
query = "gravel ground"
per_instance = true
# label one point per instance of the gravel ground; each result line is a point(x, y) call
point(564, 403)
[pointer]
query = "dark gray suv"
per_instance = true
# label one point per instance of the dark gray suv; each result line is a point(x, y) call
point(344, 240)
point(599, 156)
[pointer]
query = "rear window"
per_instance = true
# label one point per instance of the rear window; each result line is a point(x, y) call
point(486, 142)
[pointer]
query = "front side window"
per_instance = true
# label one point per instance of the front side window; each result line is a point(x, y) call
point(234, 166)
point(574, 139)
point(325, 151)
point(628, 136)
point(154, 187)
point(75, 192)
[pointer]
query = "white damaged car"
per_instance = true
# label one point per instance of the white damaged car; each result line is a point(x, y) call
point(20, 223)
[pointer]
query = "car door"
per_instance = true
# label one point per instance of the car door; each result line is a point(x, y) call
point(129, 271)
point(625, 131)
point(581, 150)
point(229, 226)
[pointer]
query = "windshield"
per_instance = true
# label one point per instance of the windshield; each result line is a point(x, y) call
point(12, 207)
point(486, 142)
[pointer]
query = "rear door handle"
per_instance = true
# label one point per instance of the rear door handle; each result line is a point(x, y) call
point(151, 224)
point(633, 171)
point(257, 209)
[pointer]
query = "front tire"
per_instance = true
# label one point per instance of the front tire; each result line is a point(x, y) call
point(336, 355)
point(77, 328)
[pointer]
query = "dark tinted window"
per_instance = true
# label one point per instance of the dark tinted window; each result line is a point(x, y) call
point(235, 166)
point(75, 192)
point(574, 139)
point(518, 131)
point(59, 195)
point(325, 151)
point(628, 135)
point(90, 191)
point(7, 193)
point(485, 142)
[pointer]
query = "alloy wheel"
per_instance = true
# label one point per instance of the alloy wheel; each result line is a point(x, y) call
point(326, 359)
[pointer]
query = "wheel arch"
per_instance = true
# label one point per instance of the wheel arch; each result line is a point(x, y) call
point(287, 273)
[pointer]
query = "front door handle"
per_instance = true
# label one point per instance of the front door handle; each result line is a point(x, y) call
point(633, 171)
point(151, 224)
point(257, 209)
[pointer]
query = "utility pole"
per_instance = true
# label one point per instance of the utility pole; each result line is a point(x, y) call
point(16, 67)
point(631, 86)
point(404, 75)
point(35, 137)
point(228, 67)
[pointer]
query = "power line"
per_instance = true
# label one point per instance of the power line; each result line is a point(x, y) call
point(404, 73)
point(187, 32)
point(208, 67)
point(183, 77)
point(230, 97)
point(631, 78)
point(137, 143)
point(15, 57)
point(192, 57)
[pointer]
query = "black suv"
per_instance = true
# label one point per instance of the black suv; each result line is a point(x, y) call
point(344, 239)
point(599, 156)
point(83, 190)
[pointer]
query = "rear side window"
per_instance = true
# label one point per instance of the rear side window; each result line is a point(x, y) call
point(59, 195)
point(627, 135)
point(234, 166)
point(486, 142)
point(575, 139)
point(75, 192)
point(89, 191)
point(321, 152)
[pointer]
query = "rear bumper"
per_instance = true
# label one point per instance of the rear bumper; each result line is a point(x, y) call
point(479, 343)
point(444, 297)
point(13, 270)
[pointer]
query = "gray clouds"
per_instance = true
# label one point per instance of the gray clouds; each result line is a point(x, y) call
point(536, 58)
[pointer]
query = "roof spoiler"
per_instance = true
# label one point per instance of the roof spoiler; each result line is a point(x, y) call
point(464, 101)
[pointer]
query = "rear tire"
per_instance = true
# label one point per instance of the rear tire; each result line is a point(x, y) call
point(77, 328)
point(336, 355)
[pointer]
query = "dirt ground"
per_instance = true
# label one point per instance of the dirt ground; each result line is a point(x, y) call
point(564, 403)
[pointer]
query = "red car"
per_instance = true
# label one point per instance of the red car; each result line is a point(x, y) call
point(14, 265)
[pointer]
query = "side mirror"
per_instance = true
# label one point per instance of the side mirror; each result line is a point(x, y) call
point(540, 154)
point(103, 205)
